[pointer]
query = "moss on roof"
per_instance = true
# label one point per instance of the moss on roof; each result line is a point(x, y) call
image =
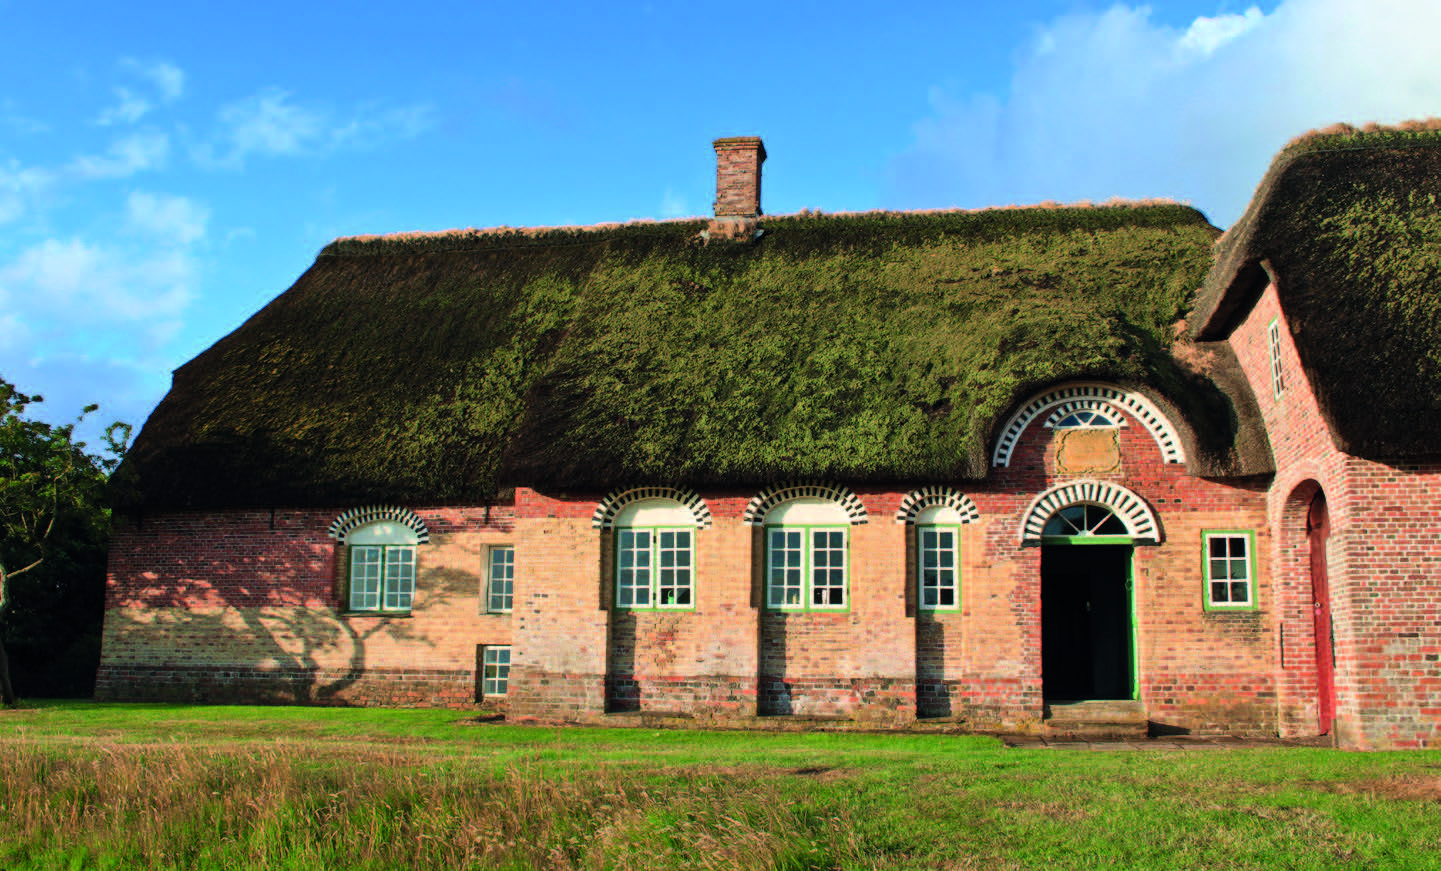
point(1349, 223)
point(872, 347)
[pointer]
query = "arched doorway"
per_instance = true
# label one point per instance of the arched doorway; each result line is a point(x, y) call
point(1087, 606)
point(1318, 530)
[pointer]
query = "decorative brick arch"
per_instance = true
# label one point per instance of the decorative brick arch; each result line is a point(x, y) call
point(610, 507)
point(351, 520)
point(1106, 398)
point(917, 501)
point(765, 500)
point(1131, 509)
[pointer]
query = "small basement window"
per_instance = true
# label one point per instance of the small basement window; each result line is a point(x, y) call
point(1230, 569)
point(495, 670)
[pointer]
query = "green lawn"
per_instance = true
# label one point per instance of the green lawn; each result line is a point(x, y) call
point(163, 786)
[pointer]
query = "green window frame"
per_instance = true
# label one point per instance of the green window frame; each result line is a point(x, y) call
point(381, 578)
point(500, 579)
point(655, 568)
point(807, 568)
point(1228, 559)
point(495, 670)
point(938, 567)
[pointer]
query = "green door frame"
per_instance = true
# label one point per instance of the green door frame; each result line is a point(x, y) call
point(1065, 540)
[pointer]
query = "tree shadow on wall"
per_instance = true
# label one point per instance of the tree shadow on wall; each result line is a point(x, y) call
point(261, 624)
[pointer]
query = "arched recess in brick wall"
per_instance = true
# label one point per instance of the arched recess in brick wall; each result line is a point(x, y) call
point(1058, 403)
point(611, 506)
point(355, 518)
point(767, 499)
point(919, 500)
point(1137, 516)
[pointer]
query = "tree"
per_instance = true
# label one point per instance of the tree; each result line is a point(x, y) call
point(51, 491)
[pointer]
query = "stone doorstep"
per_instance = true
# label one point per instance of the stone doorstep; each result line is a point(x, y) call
point(1119, 718)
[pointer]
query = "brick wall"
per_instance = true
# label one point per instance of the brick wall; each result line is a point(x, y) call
point(246, 606)
point(1383, 561)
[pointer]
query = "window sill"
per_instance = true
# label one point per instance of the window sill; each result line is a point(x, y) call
point(388, 614)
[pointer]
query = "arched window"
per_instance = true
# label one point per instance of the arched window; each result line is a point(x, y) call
point(655, 555)
point(938, 558)
point(1084, 521)
point(381, 575)
point(807, 555)
point(1086, 417)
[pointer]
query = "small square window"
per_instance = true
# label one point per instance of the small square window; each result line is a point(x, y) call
point(1230, 569)
point(500, 579)
point(495, 670)
point(1273, 341)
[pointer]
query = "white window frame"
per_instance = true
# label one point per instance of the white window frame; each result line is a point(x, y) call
point(1229, 562)
point(494, 671)
point(804, 567)
point(394, 576)
point(942, 552)
point(668, 570)
point(1273, 342)
point(500, 579)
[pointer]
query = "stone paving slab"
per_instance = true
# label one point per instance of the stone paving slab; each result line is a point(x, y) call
point(1169, 743)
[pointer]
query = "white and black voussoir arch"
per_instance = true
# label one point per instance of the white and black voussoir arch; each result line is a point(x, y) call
point(1132, 511)
point(610, 507)
point(762, 503)
point(353, 519)
point(1108, 400)
point(919, 500)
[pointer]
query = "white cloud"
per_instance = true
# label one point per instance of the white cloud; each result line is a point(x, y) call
point(126, 156)
point(171, 219)
point(1116, 104)
point(166, 77)
point(1205, 35)
point(19, 187)
point(270, 124)
point(75, 281)
point(128, 109)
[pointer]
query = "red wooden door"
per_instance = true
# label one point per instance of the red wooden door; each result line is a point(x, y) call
point(1318, 528)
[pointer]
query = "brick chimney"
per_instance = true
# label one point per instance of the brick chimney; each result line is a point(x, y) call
point(738, 176)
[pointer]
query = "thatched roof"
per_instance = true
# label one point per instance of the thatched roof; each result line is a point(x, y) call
point(1349, 224)
point(873, 347)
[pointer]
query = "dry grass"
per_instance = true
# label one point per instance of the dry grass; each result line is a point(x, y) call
point(176, 807)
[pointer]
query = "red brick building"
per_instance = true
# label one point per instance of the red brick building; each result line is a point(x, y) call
point(1015, 469)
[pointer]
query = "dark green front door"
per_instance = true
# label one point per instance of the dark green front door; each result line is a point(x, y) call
point(1086, 622)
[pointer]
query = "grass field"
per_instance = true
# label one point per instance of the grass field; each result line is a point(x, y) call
point(160, 786)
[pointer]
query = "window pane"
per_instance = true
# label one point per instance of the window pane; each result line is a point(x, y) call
point(936, 569)
point(1219, 590)
point(784, 578)
point(675, 577)
point(633, 572)
point(1240, 593)
point(365, 578)
point(828, 561)
point(399, 578)
point(502, 574)
point(496, 666)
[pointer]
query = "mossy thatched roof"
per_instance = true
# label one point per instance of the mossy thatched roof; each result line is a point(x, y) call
point(864, 348)
point(1349, 224)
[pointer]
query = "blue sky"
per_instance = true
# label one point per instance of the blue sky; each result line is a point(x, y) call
point(166, 169)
